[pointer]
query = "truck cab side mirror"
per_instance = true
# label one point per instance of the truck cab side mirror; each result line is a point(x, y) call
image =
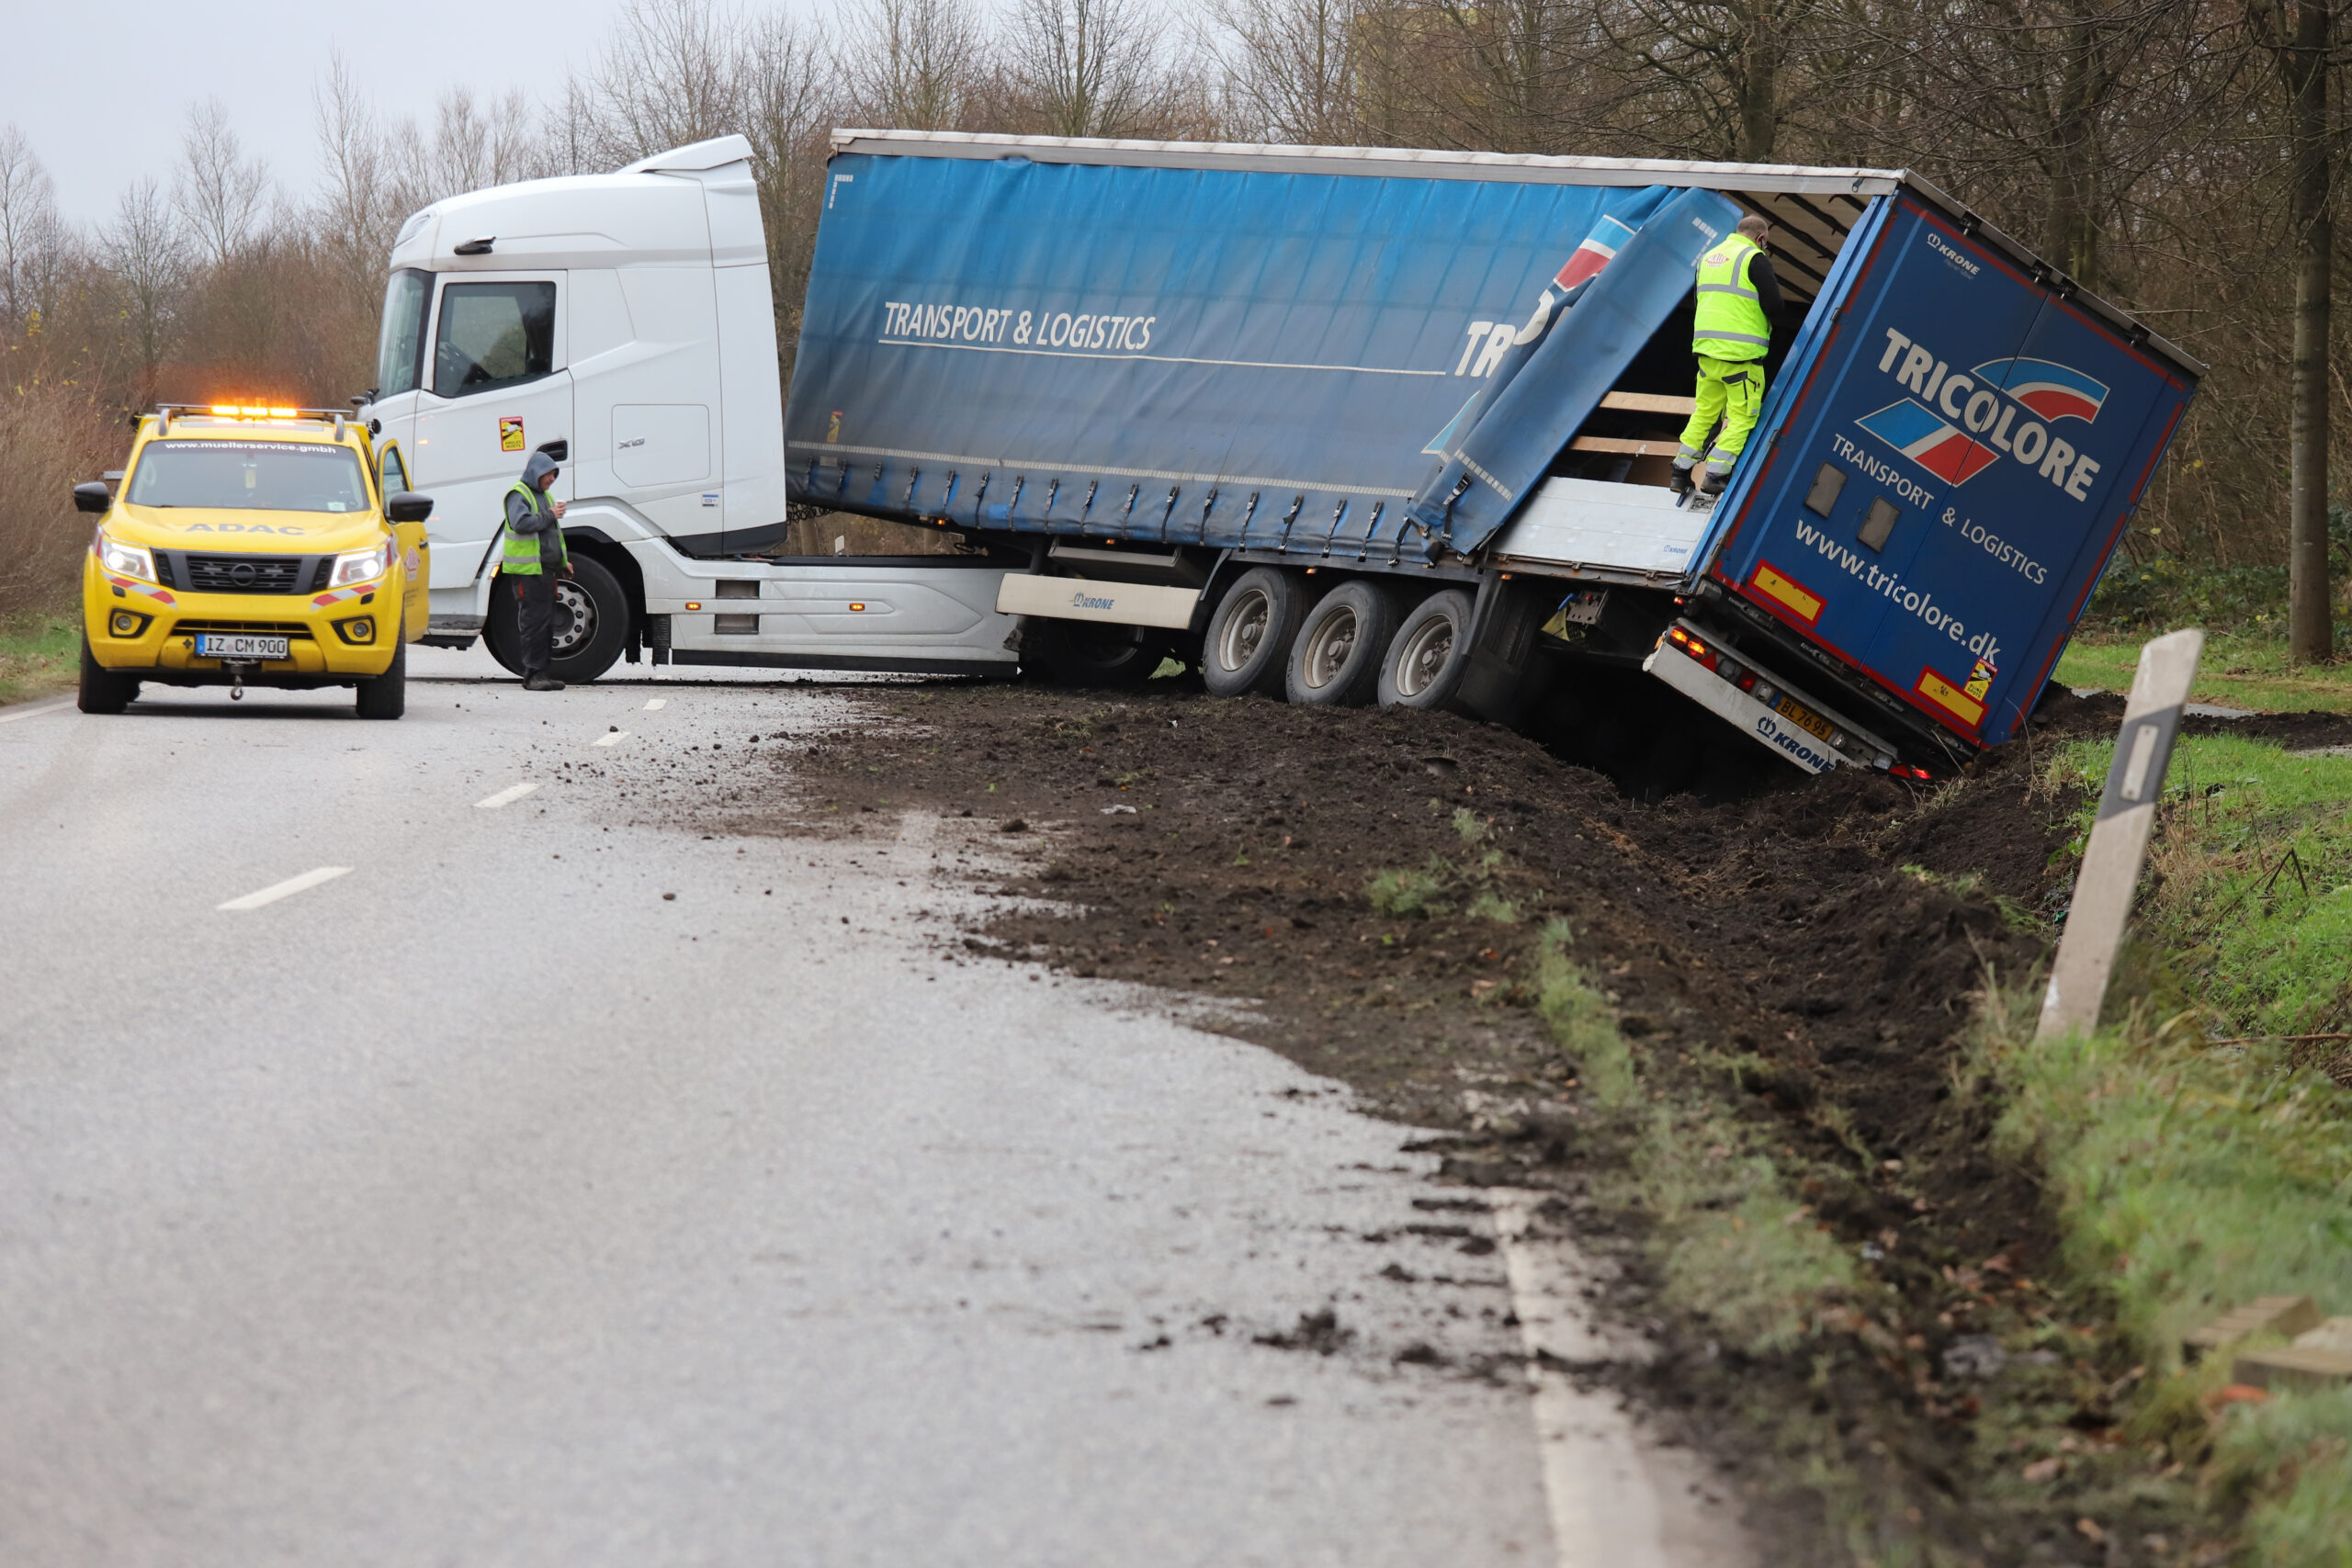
point(92, 495)
point(406, 506)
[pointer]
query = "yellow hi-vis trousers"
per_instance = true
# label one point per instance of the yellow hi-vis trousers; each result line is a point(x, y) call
point(1731, 391)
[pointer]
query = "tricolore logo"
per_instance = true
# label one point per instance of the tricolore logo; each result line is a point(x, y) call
point(1997, 410)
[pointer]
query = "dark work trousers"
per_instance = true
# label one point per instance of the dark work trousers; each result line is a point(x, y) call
point(536, 597)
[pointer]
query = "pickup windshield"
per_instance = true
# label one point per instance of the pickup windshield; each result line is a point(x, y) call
point(249, 475)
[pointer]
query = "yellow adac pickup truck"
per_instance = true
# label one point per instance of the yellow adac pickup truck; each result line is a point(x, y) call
point(254, 546)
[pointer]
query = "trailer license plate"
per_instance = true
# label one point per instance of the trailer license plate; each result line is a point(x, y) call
point(239, 645)
point(1803, 716)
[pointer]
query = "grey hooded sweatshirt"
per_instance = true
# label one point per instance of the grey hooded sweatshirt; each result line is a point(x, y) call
point(524, 520)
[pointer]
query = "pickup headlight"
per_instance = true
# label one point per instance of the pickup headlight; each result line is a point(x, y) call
point(358, 566)
point(125, 561)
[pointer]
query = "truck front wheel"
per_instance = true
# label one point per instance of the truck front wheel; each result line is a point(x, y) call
point(591, 624)
point(103, 689)
point(1426, 658)
point(1248, 646)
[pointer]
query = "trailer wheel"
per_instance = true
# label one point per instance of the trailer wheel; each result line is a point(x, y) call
point(1090, 653)
point(1248, 646)
point(1426, 658)
point(1336, 660)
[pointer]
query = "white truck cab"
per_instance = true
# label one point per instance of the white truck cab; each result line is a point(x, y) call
point(624, 324)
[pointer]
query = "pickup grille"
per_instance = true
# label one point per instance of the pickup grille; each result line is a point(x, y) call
point(246, 573)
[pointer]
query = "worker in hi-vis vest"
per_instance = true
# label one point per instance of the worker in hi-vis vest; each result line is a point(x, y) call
point(534, 552)
point(1738, 296)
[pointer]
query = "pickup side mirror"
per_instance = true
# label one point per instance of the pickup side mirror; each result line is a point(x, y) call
point(92, 495)
point(407, 506)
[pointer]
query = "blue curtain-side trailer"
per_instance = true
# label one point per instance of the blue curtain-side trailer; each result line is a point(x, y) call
point(1347, 423)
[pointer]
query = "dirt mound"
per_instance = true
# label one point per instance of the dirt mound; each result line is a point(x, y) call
point(1376, 883)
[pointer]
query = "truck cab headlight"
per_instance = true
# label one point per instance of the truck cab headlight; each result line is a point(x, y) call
point(358, 566)
point(126, 560)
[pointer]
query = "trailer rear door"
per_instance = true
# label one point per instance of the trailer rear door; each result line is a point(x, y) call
point(1949, 476)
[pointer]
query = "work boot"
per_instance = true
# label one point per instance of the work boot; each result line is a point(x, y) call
point(542, 682)
point(1713, 486)
point(1680, 482)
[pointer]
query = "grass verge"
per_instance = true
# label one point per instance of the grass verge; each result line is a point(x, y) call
point(2237, 670)
point(40, 656)
point(2197, 1153)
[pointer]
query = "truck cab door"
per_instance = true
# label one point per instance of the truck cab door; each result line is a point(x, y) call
point(416, 547)
point(495, 388)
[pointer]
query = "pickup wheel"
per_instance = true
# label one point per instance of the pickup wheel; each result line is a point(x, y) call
point(104, 690)
point(1248, 646)
point(1090, 653)
point(1426, 658)
point(386, 696)
point(591, 624)
point(1334, 659)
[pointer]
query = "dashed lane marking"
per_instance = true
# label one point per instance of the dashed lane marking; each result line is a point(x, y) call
point(652, 702)
point(610, 738)
point(286, 889)
point(36, 710)
point(507, 796)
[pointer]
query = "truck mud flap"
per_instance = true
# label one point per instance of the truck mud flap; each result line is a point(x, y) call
point(1500, 684)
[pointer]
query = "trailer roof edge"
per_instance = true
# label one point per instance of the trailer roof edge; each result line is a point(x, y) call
point(1531, 167)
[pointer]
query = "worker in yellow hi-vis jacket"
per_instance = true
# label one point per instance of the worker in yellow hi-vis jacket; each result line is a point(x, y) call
point(1738, 296)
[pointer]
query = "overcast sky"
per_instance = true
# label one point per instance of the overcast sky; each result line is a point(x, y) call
point(102, 87)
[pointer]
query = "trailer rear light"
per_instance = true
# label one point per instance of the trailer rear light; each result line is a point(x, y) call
point(1906, 770)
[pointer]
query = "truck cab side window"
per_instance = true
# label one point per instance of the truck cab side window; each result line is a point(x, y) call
point(401, 353)
point(493, 335)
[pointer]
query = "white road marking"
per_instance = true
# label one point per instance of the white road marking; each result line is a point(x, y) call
point(507, 796)
point(1609, 1485)
point(610, 738)
point(652, 702)
point(286, 889)
point(36, 711)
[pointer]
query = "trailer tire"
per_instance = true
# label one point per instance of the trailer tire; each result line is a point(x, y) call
point(1336, 657)
point(1424, 662)
point(1248, 646)
point(591, 624)
point(1100, 654)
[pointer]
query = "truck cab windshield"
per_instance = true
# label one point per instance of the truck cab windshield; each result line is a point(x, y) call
point(248, 476)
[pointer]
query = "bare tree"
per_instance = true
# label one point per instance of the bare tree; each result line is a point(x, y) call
point(668, 77)
point(1293, 70)
point(910, 64)
point(364, 199)
point(1085, 67)
point(218, 194)
point(33, 239)
point(2301, 46)
point(146, 253)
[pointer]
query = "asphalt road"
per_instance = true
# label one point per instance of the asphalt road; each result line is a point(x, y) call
point(481, 1204)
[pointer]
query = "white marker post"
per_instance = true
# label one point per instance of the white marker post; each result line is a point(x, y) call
point(2127, 810)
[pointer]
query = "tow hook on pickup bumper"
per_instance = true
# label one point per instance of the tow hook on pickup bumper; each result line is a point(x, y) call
point(1760, 705)
point(236, 668)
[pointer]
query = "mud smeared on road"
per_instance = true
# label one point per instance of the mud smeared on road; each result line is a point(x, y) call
point(1369, 890)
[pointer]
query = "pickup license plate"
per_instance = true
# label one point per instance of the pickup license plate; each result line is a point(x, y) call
point(1804, 717)
point(240, 645)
